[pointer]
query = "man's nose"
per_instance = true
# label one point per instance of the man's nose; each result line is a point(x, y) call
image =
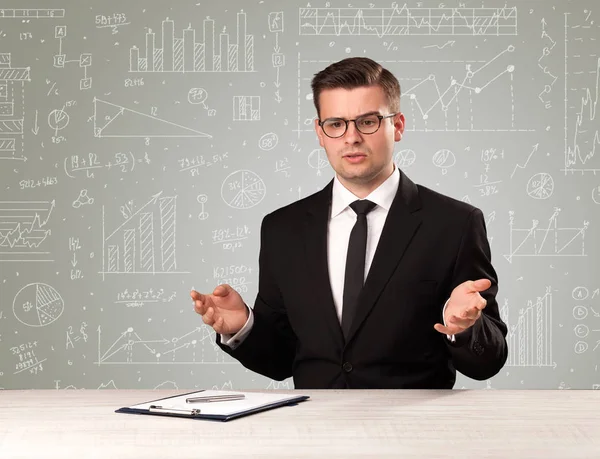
point(352, 135)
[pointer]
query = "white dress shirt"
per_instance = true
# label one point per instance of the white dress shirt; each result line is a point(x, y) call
point(341, 221)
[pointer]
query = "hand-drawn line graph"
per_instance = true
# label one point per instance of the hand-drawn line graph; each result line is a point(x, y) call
point(145, 242)
point(30, 13)
point(529, 340)
point(111, 120)
point(12, 109)
point(454, 97)
point(38, 305)
point(582, 137)
point(195, 347)
point(548, 241)
point(408, 21)
point(23, 230)
point(186, 55)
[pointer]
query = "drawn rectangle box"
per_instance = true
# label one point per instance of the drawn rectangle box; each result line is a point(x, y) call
point(278, 59)
point(85, 60)
point(7, 145)
point(7, 109)
point(4, 91)
point(59, 61)
point(85, 83)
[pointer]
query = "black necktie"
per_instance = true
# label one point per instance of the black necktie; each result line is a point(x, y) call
point(355, 262)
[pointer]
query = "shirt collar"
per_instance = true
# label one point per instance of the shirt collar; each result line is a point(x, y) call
point(383, 195)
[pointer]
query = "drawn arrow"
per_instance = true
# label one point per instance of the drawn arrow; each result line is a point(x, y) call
point(152, 201)
point(36, 128)
point(74, 260)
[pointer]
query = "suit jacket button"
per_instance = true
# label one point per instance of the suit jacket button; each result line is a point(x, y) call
point(347, 367)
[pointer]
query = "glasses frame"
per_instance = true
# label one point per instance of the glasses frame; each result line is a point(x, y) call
point(379, 117)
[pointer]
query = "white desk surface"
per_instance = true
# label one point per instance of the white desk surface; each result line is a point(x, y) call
point(429, 424)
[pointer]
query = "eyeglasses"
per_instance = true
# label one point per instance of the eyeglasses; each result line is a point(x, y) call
point(366, 124)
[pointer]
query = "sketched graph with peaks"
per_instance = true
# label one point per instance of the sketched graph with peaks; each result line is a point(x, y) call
point(408, 21)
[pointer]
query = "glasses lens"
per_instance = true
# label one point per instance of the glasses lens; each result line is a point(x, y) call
point(334, 127)
point(367, 124)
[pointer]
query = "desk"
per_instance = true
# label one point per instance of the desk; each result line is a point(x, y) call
point(331, 424)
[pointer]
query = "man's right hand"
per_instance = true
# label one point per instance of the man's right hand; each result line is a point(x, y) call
point(224, 309)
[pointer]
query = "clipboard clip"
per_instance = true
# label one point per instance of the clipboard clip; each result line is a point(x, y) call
point(159, 409)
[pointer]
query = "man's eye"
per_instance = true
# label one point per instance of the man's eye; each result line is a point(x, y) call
point(335, 124)
point(367, 122)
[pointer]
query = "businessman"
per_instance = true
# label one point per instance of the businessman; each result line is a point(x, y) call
point(374, 281)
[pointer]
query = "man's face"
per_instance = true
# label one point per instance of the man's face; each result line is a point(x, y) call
point(360, 159)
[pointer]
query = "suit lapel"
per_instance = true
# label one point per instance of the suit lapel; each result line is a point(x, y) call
point(402, 222)
point(315, 225)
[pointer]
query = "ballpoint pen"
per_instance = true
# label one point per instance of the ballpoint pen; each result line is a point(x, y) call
point(215, 398)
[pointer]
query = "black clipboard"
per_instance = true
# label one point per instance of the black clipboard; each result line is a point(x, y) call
point(196, 413)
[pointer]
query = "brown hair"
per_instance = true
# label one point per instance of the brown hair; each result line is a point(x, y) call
point(354, 72)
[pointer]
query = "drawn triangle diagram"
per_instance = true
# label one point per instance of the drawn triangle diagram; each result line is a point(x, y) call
point(111, 120)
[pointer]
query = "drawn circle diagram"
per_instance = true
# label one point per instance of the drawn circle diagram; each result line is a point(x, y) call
point(318, 159)
point(38, 305)
point(580, 293)
point(58, 119)
point(405, 158)
point(197, 96)
point(268, 141)
point(444, 158)
point(596, 195)
point(540, 186)
point(243, 189)
point(580, 312)
point(581, 331)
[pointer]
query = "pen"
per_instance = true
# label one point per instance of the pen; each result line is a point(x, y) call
point(167, 410)
point(215, 398)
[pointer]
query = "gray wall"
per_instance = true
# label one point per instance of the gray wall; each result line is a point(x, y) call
point(124, 185)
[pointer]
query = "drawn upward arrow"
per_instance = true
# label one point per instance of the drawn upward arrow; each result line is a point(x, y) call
point(152, 201)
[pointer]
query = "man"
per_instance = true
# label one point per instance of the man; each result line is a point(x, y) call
point(428, 305)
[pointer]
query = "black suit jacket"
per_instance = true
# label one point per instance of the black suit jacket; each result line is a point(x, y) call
point(430, 243)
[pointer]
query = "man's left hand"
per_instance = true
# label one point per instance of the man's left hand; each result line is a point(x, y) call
point(464, 307)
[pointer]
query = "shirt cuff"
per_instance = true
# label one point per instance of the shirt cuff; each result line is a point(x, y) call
point(234, 341)
point(452, 338)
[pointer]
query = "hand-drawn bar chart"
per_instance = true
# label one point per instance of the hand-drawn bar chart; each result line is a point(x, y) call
point(530, 338)
point(145, 242)
point(168, 53)
point(12, 108)
point(408, 21)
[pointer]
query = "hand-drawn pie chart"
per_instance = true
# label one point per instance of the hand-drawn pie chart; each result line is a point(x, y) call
point(243, 189)
point(38, 305)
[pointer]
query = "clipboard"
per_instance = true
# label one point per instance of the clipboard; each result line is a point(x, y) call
point(176, 405)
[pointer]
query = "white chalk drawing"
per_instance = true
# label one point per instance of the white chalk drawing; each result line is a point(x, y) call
point(529, 338)
point(548, 241)
point(243, 189)
point(12, 109)
point(596, 194)
point(518, 166)
point(111, 120)
point(405, 158)
point(145, 243)
point(58, 120)
point(582, 132)
point(268, 141)
point(38, 305)
point(30, 13)
point(444, 159)
point(403, 20)
point(317, 159)
point(60, 59)
point(24, 232)
point(197, 96)
point(246, 108)
point(202, 199)
point(277, 57)
point(195, 347)
point(121, 161)
point(540, 186)
point(454, 96)
point(186, 54)
point(544, 96)
point(83, 199)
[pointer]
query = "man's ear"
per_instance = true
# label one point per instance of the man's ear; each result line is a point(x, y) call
point(399, 123)
point(319, 132)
